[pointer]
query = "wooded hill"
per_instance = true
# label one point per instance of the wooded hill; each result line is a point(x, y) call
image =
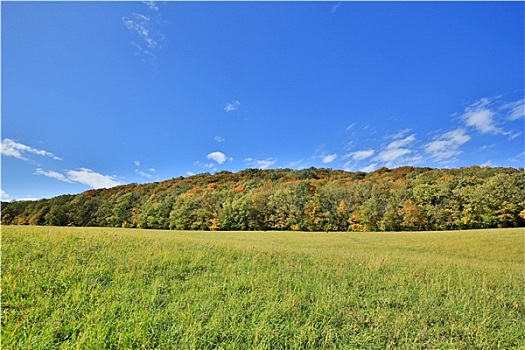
point(313, 199)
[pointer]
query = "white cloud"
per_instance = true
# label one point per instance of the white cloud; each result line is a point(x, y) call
point(400, 151)
point(512, 135)
point(299, 164)
point(329, 158)
point(151, 5)
point(4, 196)
point(481, 117)
point(401, 143)
point(399, 134)
point(488, 163)
point(18, 150)
point(446, 146)
point(517, 109)
point(139, 24)
point(144, 174)
point(91, 178)
point(369, 168)
point(481, 120)
point(261, 164)
point(232, 106)
point(218, 157)
point(218, 139)
point(204, 165)
point(360, 155)
point(146, 29)
point(53, 175)
point(392, 155)
point(83, 175)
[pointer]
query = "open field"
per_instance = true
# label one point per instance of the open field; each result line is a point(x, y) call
point(102, 288)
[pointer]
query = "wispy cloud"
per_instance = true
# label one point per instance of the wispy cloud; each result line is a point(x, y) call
point(369, 168)
point(140, 51)
point(329, 158)
point(146, 30)
point(151, 5)
point(260, 164)
point(218, 157)
point(83, 175)
point(518, 158)
point(204, 165)
point(4, 196)
point(143, 174)
point(18, 150)
point(391, 155)
point(91, 178)
point(232, 106)
point(481, 117)
point(400, 150)
point(404, 142)
point(489, 115)
point(298, 164)
point(139, 24)
point(447, 146)
point(218, 139)
point(148, 175)
point(517, 109)
point(399, 134)
point(360, 155)
point(396, 151)
point(52, 174)
point(335, 7)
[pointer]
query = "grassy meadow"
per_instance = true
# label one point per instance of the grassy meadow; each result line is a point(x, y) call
point(102, 288)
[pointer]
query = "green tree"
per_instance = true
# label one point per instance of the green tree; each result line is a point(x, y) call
point(56, 216)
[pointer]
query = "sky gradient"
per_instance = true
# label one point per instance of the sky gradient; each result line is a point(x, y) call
point(96, 94)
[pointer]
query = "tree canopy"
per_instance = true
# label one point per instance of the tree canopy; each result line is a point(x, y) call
point(313, 199)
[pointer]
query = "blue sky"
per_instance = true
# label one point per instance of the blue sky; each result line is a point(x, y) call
point(96, 94)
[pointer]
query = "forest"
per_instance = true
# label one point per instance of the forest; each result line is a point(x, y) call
point(313, 199)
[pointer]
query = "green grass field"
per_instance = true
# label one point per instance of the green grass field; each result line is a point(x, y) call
point(100, 288)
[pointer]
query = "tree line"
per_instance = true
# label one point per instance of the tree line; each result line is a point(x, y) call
point(313, 199)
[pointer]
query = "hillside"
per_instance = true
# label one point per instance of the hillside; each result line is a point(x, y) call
point(313, 199)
